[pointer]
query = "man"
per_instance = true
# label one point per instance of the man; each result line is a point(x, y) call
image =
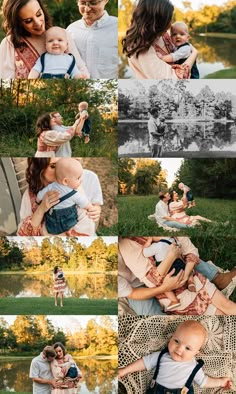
point(40, 372)
point(96, 38)
point(162, 213)
point(141, 299)
point(65, 149)
point(156, 129)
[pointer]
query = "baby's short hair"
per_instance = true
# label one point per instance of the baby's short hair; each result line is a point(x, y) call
point(179, 24)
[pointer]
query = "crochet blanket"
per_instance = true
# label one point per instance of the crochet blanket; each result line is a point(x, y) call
point(140, 335)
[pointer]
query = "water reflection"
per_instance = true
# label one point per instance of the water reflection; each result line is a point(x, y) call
point(99, 376)
point(214, 54)
point(92, 286)
point(179, 137)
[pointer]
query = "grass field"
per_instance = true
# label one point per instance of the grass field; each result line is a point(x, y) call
point(99, 146)
point(45, 305)
point(134, 212)
point(229, 73)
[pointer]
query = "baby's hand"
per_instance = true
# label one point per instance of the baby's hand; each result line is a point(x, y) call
point(148, 242)
point(226, 383)
point(83, 76)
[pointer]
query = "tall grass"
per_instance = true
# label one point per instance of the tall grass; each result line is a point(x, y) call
point(134, 212)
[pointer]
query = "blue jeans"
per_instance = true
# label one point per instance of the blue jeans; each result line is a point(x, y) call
point(152, 306)
point(169, 223)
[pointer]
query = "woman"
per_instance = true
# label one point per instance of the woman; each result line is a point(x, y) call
point(207, 300)
point(177, 211)
point(25, 22)
point(147, 35)
point(59, 286)
point(59, 366)
point(50, 140)
point(39, 173)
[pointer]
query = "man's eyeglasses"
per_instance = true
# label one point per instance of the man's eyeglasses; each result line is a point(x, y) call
point(89, 3)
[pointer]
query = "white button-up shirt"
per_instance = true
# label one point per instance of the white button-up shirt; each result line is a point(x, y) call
point(97, 45)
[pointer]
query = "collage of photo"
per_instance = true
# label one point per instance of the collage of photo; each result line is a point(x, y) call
point(118, 196)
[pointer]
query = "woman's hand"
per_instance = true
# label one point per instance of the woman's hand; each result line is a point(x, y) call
point(49, 200)
point(171, 282)
point(94, 212)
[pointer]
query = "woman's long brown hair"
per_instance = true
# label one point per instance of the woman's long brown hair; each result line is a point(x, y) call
point(151, 19)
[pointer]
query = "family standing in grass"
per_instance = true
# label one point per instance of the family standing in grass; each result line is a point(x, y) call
point(54, 138)
point(54, 371)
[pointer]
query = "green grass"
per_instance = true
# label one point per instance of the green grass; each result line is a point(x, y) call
point(134, 212)
point(45, 305)
point(113, 230)
point(103, 145)
point(223, 74)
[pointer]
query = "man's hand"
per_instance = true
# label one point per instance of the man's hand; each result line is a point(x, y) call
point(171, 282)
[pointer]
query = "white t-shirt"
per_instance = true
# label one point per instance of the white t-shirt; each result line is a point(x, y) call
point(174, 374)
point(75, 199)
point(56, 64)
point(161, 211)
point(158, 249)
point(64, 150)
point(97, 45)
point(40, 368)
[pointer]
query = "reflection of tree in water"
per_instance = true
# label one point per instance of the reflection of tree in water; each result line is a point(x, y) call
point(198, 136)
point(96, 286)
point(12, 286)
point(213, 50)
point(99, 373)
point(14, 376)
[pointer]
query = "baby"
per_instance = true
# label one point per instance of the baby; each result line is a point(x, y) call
point(63, 216)
point(160, 250)
point(180, 36)
point(60, 274)
point(177, 362)
point(66, 372)
point(56, 63)
point(83, 111)
point(188, 193)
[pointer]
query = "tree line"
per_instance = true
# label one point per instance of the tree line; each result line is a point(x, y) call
point(211, 178)
point(30, 334)
point(65, 252)
point(142, 176)
point(174, 101)
point(214, 178)
point(23, 101)
point(208, 18)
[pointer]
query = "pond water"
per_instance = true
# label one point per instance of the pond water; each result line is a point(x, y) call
point(214, 54)
point(179, 137)
point(92, 286)
point(99, 376)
